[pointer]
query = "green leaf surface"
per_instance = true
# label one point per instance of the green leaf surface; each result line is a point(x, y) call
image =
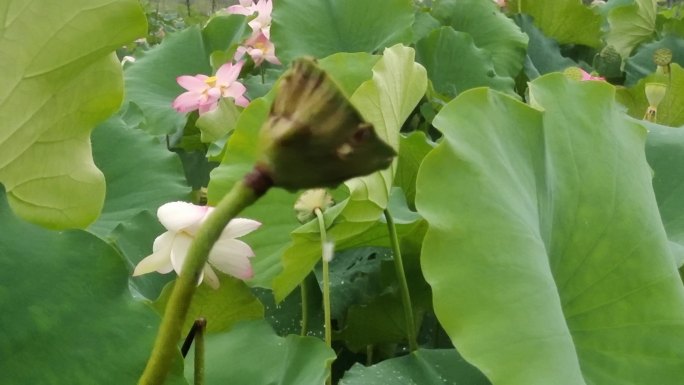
point(543, 52)
point(68, 316)
point(545, 244)
point(631, 25)
point(490, 29)
point(119, 152)
point(412, 150)
point(566, 21)
point(222, 308)
point(454, 64)
point(385, 101)
point(424, 367)
point(665, 154)
point(58, 79)
point(252, 354)
point(642, 64)
point(670, 109)
point(151, 80)
point(320, 28)
point(223, 31)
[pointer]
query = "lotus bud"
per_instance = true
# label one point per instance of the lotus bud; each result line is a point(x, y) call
point(313, 136)
point(311, 200)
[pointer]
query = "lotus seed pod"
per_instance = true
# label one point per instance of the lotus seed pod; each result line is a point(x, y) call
point(662, 56)
point(309, 201)
point(608, 62)
point(313, 136)
point(573, 73)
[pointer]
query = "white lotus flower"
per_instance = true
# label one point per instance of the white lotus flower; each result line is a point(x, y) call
point(182, 220)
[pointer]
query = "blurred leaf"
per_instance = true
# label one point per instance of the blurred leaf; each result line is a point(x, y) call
point(224, 307)
point(424, 367)
point(631, 25)
point(224, 31)
point(58, 79)
point(119, 152)
point(545, 243)
point(323, 27)
point(252, 354)
point(454, 64)
point(566, 21)
point(68, 316)
point(219, 122)
point(412, 150)
point(670, 110)
point(543, 53)
point(491, 31)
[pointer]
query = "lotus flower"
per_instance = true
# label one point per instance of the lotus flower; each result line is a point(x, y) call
point(182, 220)
point(259, 48)
point(204, 92)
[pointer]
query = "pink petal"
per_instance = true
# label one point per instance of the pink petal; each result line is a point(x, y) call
point(206, 107)
point(238, 227)
point(231, 256)
point(228, 73)
point(192, 83)
point(239, 10)
point(239, 53)
point(179, 250)
point(186, 102)
point(179, 216)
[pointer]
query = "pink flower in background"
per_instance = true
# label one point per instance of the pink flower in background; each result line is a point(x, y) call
point(259, 48)
point(246, 8)
point(182, 220)
point(587, 76)
point(263, 9)
point(204, 92)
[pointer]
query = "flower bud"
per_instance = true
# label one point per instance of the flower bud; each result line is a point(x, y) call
point(313, 136)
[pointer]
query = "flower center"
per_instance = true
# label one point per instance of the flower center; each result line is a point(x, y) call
point(211, 81)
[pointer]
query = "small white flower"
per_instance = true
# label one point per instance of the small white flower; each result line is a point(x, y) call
point(182, 220)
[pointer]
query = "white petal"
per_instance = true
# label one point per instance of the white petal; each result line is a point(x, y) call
point(179, 250)
point(211, 278)
point(232, 257)
point(178, 216)
point(238, 227)
point(159, 261)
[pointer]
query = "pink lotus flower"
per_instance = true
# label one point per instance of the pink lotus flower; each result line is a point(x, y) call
point(259, 48)
point(182, 220)
point(204, 92)
point(263, 9)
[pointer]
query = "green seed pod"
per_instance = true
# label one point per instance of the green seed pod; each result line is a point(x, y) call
point(655, 92)
point(662, 56)
point(313, 136)
point(574, 73)
point(309, 201)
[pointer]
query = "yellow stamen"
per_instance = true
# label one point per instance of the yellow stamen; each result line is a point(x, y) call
point(211, 81)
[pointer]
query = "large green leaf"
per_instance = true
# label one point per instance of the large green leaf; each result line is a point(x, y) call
point(68, 316)
point(670, 109)
point(424, 367)
point(454, 64)
point(546, 253)
point(412, 150)
point(119, 151)
point(58, 79)
point(631, 25)
point(323, 27)
point(491, 31)
point(252, 354)
point(386, 101)
point(567, 21)
point(543, 53)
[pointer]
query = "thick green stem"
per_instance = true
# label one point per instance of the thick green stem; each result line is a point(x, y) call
point(199, 351)
point(403, 285)
point(326, 282)
point(165, 349)
point(305, 307)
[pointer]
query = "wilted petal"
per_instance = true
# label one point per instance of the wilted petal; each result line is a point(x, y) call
point(192, 83)
point(178, 216)
point(210, 277)
point(228, 73)
point(179, 250)
point(232, 257)
point(160, 259)
point(238, 227)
